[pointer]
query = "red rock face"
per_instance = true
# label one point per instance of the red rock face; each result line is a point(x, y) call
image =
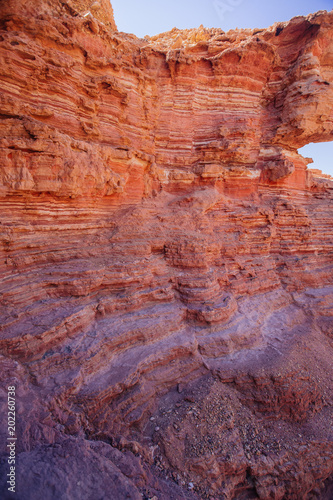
point(166, 259)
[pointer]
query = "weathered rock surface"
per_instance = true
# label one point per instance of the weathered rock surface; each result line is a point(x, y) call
point(166, 257)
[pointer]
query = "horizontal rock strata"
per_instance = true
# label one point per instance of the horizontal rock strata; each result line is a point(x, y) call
point(166, 257)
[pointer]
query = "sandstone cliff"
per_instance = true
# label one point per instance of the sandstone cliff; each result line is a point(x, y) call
point(166, 257)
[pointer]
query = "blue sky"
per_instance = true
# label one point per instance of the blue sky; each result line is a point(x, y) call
point(149, 17)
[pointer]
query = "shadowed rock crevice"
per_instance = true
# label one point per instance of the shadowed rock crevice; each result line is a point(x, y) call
point(166, 257)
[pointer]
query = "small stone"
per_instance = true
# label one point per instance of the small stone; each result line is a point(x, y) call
point(96, 5)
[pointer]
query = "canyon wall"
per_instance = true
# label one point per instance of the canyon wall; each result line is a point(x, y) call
point(166, 257)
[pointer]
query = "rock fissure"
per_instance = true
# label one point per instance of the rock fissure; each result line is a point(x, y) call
point(166, 308)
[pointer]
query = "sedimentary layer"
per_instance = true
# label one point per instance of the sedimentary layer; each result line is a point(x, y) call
point(166, 259)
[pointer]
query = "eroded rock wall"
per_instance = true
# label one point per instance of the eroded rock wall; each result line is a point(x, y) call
point(166, 309)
